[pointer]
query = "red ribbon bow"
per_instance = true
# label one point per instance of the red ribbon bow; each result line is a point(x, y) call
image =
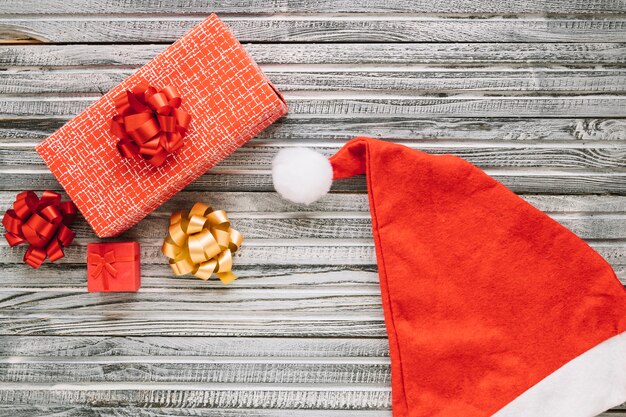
point(43, 223)
point(105, 263)
point(149, 123)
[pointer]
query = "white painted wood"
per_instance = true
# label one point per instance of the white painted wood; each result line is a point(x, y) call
point(340, 225)
point(27, 132)
point(338, 105)
point(320, 28)
point(43, 411)
point(522, 181)
point(193, 323)
point(199, 395)
point(126, 411)
point(240, 203)
point(160, 7)
point(148, 347)
point(286, 252)
point(394, 79)
point(544, 54)
point(598, 156)
point(209, 370)
point(158, 277)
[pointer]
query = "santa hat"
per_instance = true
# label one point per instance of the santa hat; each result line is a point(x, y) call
point(491, 307)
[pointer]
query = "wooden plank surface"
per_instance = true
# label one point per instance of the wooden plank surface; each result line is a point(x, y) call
point(524, 55)
point(203, 412)
point(376, 105)
point(532, 91)
point(202, 7)
point(295, 28)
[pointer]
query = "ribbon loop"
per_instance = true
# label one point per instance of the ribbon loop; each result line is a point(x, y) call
point(201, 242)
point(149, 122)
point(42, 223)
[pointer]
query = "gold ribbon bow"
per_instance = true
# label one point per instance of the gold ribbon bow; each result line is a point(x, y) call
point(201, 242)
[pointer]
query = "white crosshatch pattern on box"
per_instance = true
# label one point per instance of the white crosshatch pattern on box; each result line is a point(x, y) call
point(228, 97)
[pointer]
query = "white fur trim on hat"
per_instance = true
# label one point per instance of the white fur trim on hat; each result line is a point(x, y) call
point(301, 175)
point(584, 387)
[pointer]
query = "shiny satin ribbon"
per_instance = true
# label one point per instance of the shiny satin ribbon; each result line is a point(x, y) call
point(201, 242)
point(104, 265)
point(149, 122)
point(41, 222)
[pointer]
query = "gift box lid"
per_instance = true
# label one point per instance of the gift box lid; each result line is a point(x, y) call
point(228, 97)
point(125, 250)
point(113, 266)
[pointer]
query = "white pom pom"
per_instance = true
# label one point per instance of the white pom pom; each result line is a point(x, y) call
point(301, 175)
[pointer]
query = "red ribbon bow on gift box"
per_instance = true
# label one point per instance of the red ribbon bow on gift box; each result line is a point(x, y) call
point(43, 223)
point(105, 263)
point(149, 122)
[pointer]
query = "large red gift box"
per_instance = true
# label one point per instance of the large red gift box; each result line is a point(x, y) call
point(113, 267)
point(228, 98)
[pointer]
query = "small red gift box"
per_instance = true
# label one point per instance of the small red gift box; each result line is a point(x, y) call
point(113, 267)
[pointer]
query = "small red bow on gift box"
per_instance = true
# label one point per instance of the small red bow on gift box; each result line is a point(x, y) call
point(149, 123)
point(43, 223)
point(105, 265)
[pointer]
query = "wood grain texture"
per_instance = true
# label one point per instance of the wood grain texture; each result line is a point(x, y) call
point(108, 347)
point(200, 395)
point(544, 54)
point(395, 80)
point(266, 203)
point(328, 224)
point(595, 217)
point(342, 104)
point(42, 411)
point(290, 28)
point(521, 181)
point(288, 252)
point(532, 91)
point(209, 371)
point(27, 132)
point(160, 7)
point(600, 156)
point(133, 411)
point(126, 358)
point(158, 277)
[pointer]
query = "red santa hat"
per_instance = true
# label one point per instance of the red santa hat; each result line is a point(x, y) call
point(491, 307)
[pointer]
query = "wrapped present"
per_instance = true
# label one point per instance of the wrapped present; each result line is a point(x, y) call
point(113, 267)
point(161, 128)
